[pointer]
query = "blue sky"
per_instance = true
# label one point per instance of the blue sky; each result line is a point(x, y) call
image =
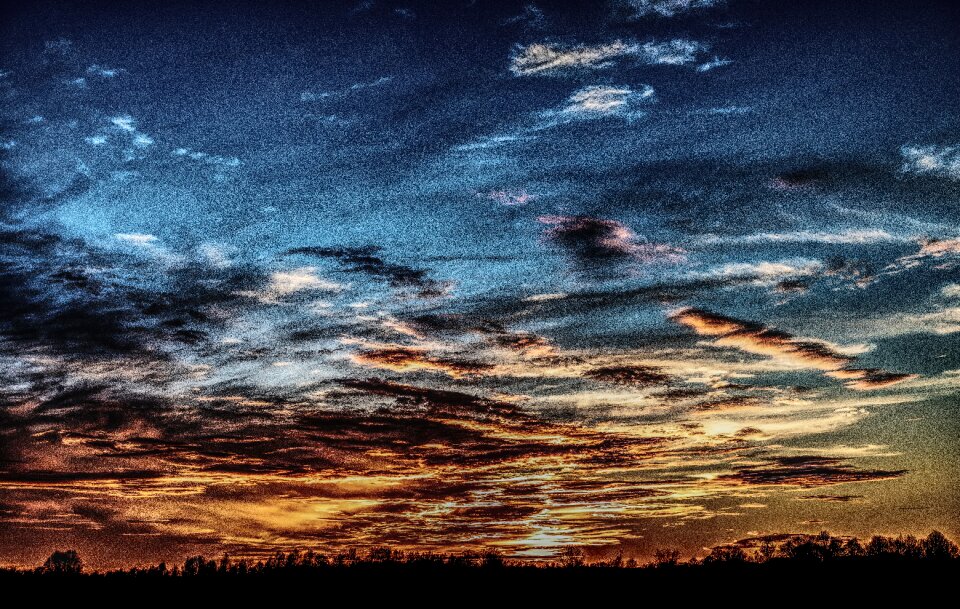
point(710, 247)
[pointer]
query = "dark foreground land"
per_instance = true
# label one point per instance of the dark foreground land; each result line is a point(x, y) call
point(832, 570)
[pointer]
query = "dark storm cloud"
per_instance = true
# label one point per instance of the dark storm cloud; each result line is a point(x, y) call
point(55, 302)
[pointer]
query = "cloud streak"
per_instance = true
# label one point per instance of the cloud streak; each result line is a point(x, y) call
point(799, 352)
point(552, 59)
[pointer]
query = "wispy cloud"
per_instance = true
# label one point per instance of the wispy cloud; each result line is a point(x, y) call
point(598, 101)
point(319, 96)
point(283, 283)
point(509, 197)
point(206, 158)
point(800, 352)
point(806, 471)
point(944, 251)
point(531, 17)
point(668, 8)
point(943, 161)
point(714, 63)
point(140, 239)
point(103, 71)
point(765, 273)
point(951, 290)
point(598, 238)
point(550, 59)
point(405, 359)
point(841, 237)
point(676, 52)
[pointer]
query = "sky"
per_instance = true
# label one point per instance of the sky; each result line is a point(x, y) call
point(622, 275)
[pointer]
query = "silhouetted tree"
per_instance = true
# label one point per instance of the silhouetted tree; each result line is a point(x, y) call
point(879, 546)
point(725, 554)
point(572, 557)
point(63, 563)
point(937, 547)
point(853, 548)
point(492, 559)
point(666, 558)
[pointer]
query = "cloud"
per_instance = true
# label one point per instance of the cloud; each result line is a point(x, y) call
point(800, 352)
point(678, 51)
point(597, 238)
point(531, 17)
point(930, 249)
point(320, 96)
point(140, 239)
point(406, 359)
point(124, 123)
point(284, 283)
point(546, 59)
point(598, 101)
point(635, 376)
point(941, 161)
point(942, 321)
point(509, 197)
point(714, 63)
point(668, 8)
point(103, 71)
point(806, 471)
point(871, 378)
point(832, 498)
point(842, 237)
point(367, 261)
point(765, 273)
point(951, 290)
point(550, 59)
point(209, 159)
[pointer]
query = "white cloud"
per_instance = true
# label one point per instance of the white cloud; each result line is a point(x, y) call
point(852, 236)
point(215, 255)
point(726, 110)
point(549, 59)
point(716, 62)
point(142, 140)
point(605, 100)
point(951, 290)
point(140, 239)
point(209, 159)
point(679, 51)
point(545, 58)
point(943, 161)
point(96, 140)
point(310, 96)
point(766, 273)
point(668, 8)
point(531, 17)
point(930, 249)
point(103, 71)
point(944, 321)
point(124, 123)
point(283, 283)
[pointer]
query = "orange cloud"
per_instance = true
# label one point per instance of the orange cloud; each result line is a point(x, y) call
point(800, 352)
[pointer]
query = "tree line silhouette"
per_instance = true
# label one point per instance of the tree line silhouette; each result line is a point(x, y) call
point(772, 551)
